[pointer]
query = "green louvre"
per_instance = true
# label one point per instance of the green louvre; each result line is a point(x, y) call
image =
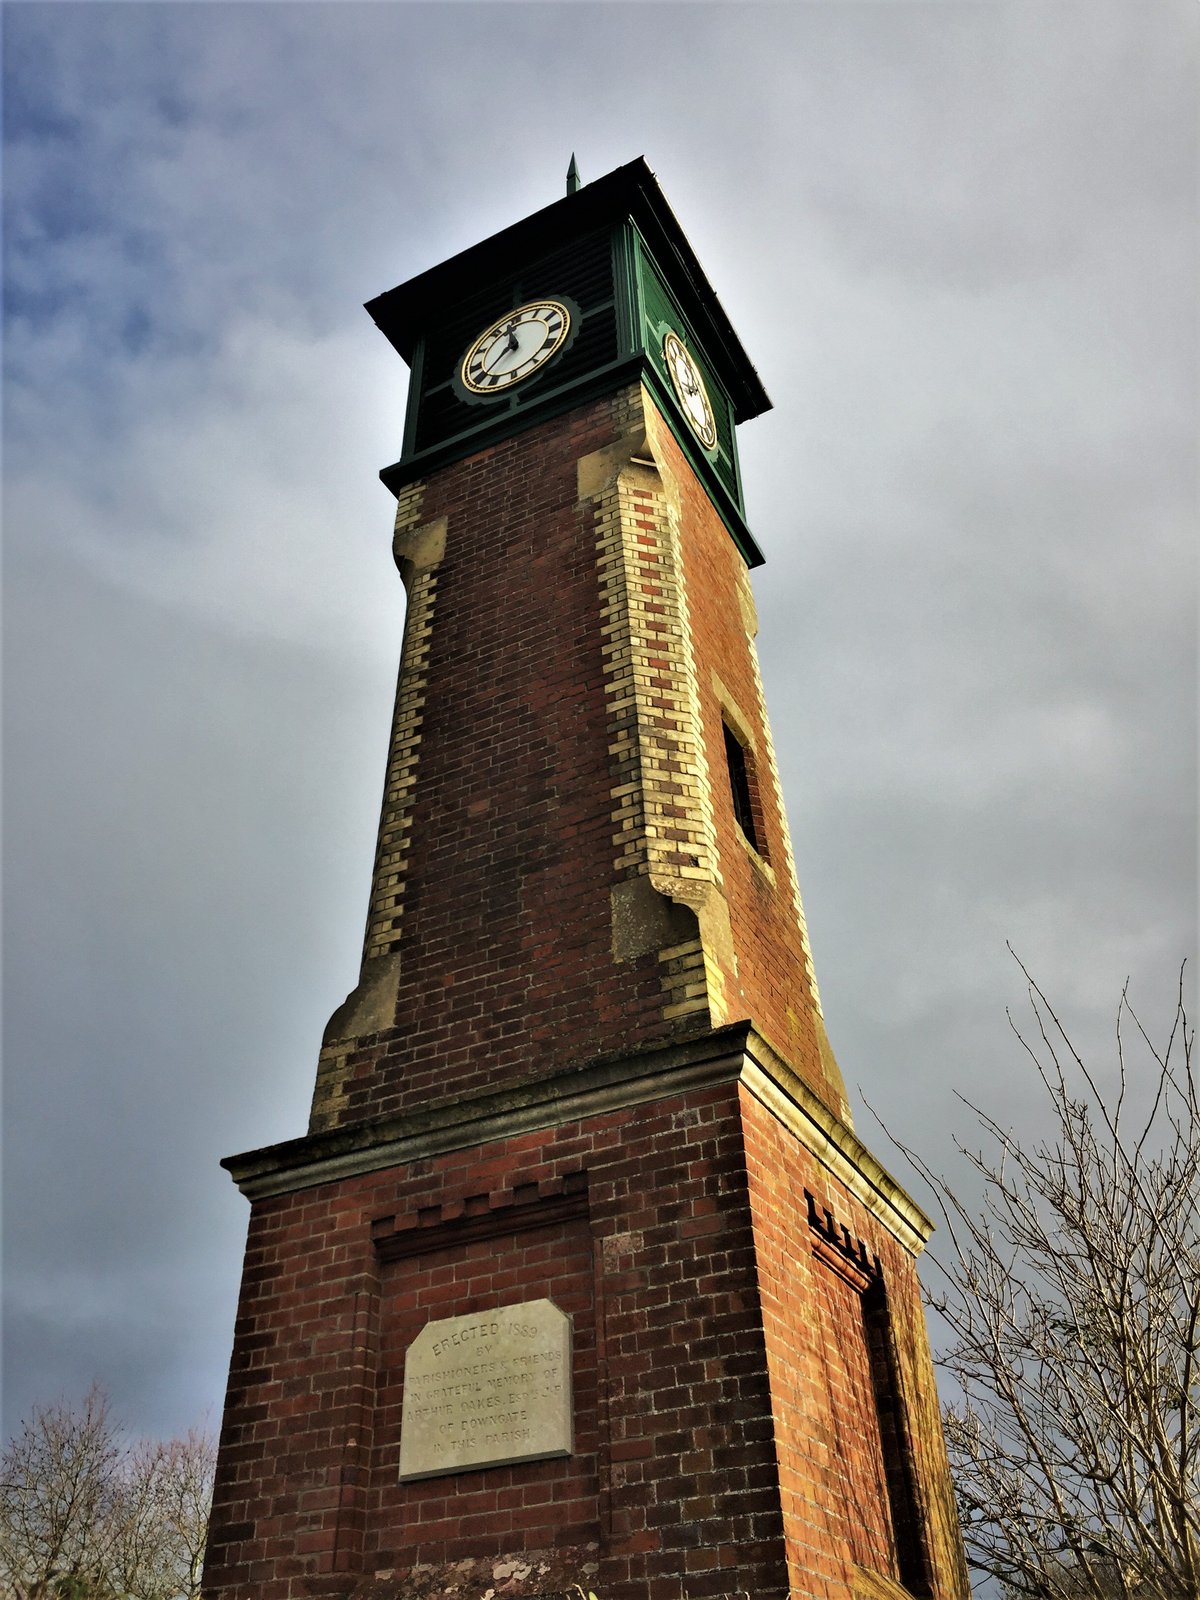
point(615, 255)
point(582, 271)
point(660, 312)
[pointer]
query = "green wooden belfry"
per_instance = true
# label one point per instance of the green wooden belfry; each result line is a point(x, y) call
point(615, 251)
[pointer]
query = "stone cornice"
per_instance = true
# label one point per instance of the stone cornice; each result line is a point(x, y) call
point(607, 1084)
point(734, 1054)
point(837, 1147)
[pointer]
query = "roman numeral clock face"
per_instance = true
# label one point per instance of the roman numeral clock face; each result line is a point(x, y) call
point(689, 390)
point(515, 346)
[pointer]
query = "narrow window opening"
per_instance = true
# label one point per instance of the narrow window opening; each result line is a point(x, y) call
point(741, 775)
point(911, 1556)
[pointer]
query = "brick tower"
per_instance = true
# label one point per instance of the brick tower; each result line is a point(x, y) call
point(580, 1281)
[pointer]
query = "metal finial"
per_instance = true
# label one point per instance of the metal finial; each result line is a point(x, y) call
point(574, 181)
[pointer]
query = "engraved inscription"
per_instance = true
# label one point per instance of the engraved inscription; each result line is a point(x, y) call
point(487, 1390)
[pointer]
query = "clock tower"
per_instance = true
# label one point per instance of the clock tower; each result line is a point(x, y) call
point(581, 1281)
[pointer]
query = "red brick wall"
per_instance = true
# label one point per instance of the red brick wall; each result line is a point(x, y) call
point(506, 950)
point(834, 1465)
point(726, 1393)
point(673, 1474)
point(542, 1503)
point(771, 967)
point(507, 970)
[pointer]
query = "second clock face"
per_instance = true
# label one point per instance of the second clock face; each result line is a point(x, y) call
point(515, 346)
point(690, 390)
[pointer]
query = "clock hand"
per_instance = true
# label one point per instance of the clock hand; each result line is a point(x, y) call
point(511, 343)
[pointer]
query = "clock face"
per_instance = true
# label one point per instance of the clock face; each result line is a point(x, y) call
point(690, 390)
point(515, 346)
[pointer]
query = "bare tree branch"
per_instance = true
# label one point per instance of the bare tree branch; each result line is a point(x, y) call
point(1071, 1292)
point(83, 1516)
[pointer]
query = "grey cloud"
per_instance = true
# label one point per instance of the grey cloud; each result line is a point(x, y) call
point(959, 243)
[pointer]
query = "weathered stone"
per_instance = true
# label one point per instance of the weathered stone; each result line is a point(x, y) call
point(486, 1390)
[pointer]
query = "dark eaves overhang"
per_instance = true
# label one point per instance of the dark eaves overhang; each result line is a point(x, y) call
point(632, 191)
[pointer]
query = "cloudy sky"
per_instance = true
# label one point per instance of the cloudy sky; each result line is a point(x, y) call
point(958, 239)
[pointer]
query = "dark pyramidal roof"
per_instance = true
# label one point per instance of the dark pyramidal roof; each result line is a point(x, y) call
point(632, 191)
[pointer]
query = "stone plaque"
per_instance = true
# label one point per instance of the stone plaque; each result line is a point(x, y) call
point(487, 1390)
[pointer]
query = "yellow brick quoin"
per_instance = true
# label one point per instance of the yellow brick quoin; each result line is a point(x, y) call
point(418, 551)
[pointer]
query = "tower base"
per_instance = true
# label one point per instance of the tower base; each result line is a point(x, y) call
point(750, 1388)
